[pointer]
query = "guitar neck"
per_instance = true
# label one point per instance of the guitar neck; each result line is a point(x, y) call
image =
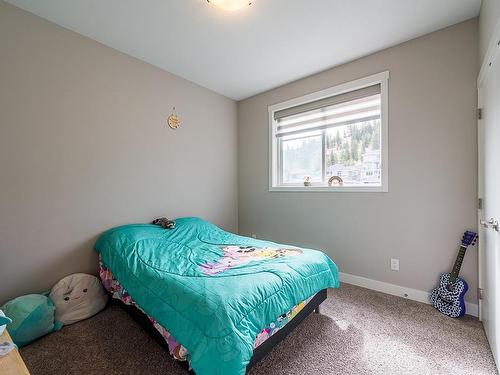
point(458, 264)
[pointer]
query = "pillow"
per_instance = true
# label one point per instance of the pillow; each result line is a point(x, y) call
point(32, 317)
point(78, 297)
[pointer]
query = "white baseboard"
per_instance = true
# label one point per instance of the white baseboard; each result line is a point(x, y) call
point(396, 290)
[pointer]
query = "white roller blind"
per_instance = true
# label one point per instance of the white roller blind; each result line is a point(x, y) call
point(348, 108)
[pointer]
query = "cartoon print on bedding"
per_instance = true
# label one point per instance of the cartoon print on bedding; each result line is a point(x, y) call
point(235, 256)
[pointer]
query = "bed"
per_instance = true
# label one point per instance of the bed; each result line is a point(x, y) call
point(219, 300)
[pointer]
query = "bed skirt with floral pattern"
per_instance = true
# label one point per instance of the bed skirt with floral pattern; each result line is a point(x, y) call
point(113, 286)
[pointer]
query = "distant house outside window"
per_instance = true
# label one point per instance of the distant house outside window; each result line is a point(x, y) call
point(332, 140)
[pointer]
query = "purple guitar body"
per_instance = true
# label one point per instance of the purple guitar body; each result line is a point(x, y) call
point(449, 296)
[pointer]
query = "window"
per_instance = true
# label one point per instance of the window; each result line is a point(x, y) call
point(332, 140)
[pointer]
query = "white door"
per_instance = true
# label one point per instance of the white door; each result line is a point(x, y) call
point(489, 192)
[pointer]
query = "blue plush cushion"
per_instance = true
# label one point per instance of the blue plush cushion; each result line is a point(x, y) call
point(32, 317)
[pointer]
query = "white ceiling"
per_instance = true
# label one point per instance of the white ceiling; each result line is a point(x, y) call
point(239, 54)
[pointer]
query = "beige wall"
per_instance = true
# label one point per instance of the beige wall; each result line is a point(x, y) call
point(432, 168)
point(84, 147)
point(488, 19)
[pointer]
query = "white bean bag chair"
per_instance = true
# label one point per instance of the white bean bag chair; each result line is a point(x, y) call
point(77, 297)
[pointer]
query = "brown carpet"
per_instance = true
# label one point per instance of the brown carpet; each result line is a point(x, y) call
point(358, 332)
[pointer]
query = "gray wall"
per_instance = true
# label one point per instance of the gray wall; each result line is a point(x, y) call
point(84, 147)
point(432, 168)
point(488, 18)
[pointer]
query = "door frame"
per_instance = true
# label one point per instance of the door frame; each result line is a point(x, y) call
point(480, 197)
point(492, 54)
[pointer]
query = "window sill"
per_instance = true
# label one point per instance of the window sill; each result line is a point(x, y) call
point(330, 189)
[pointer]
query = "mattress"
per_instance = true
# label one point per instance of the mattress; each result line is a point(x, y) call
point(176, 350)
point(212, 289)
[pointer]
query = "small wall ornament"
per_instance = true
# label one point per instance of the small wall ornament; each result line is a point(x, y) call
point(173, 120)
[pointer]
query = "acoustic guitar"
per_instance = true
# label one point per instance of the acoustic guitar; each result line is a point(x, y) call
point(448, 297)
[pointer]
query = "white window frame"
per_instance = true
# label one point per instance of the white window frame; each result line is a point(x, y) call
point(379, 78)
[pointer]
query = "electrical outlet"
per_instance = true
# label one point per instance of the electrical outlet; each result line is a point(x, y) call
point(254, 235)
point(394, 264)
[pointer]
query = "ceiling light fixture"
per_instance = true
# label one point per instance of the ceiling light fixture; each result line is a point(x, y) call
point(230, 5)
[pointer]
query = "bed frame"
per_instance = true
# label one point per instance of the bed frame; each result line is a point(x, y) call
point(260, 352)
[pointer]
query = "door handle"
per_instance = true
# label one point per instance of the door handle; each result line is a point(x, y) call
point(492, 223)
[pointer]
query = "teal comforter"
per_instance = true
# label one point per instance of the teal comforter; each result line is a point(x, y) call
point(213, 290)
